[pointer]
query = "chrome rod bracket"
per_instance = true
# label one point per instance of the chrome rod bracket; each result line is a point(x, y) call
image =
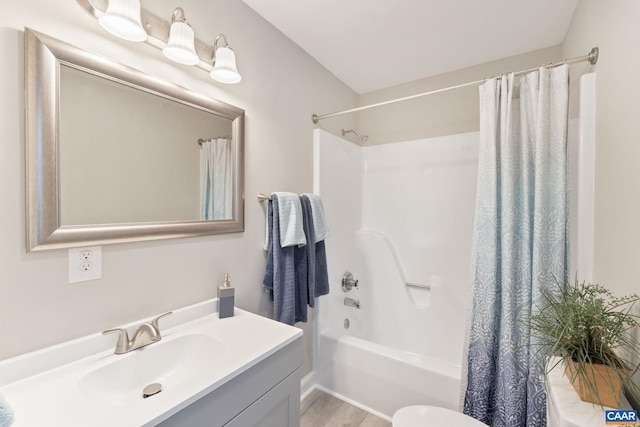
point(263, 197)
point(593, 55)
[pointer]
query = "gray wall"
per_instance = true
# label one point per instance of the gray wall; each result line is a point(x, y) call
point(282, 86)
point(446, 113)
point(613, 27)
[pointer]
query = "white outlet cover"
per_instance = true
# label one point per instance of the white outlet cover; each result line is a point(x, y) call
point(77, 265)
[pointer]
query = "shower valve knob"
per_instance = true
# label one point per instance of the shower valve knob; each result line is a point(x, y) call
point(348, 282)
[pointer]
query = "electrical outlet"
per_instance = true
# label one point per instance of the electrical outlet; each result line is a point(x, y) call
point(85, 264)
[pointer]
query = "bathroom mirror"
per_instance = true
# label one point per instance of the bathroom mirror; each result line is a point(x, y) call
point(115, 155)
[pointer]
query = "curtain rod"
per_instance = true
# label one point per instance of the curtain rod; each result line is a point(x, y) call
point(592, 57)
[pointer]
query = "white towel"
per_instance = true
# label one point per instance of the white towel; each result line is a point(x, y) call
point(290, 211)
point(319, 223)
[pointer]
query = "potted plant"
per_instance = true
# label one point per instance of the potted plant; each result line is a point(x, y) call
point(590, 330)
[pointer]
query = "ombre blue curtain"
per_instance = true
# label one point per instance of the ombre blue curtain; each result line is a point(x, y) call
point(521, 241)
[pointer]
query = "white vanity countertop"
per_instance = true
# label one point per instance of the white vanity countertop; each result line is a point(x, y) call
point(48, 387)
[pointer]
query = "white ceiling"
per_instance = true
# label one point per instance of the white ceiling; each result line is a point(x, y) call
point(373, 44)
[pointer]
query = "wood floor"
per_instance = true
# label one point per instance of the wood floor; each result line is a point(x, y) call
point(320, 409)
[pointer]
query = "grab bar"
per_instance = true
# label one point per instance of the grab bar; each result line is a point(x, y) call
point(418, 285)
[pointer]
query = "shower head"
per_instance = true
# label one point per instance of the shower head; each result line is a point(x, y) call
point(363, 138)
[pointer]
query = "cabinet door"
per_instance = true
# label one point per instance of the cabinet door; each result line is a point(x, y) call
point(223, 404)
point(280, 407)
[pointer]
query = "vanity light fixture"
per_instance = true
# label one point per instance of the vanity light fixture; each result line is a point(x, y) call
point(181, 45)
point(176, 39)
point(122, 19)
point(224, 63)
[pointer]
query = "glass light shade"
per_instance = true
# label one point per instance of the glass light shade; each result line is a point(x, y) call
point(122, 19)
point(181, 47)
point(224, 70)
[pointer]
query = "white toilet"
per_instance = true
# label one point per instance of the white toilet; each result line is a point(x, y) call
point(427, 416)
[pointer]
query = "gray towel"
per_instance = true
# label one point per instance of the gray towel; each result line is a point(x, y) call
point(317, 276)
point(286, 273)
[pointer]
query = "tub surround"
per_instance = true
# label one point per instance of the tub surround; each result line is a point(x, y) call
point(402, 219)
point(52, 386)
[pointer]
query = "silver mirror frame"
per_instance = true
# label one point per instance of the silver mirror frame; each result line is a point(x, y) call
point(43, 56)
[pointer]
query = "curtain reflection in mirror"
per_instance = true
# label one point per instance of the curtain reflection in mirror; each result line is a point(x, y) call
point(216, 180)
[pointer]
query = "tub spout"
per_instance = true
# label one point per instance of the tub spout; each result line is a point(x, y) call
point(350, 302)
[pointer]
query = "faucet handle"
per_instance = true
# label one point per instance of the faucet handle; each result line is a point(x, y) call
point(122, 345)
point(348, 282)
point(154, 322)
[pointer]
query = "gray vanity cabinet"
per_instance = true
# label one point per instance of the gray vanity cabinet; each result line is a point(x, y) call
point(279, 407)
point(265, 395)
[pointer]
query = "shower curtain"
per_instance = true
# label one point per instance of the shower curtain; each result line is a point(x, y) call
point(216, 180)
point(521, 241)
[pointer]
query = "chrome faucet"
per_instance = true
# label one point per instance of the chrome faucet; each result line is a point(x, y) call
point(146, 334)
point(350, 302)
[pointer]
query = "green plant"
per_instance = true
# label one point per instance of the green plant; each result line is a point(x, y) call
point(587, 323)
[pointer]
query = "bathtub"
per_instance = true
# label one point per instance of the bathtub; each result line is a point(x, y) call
point(380, 379)
point(401, 221)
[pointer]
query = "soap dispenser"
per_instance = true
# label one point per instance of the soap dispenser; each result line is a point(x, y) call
point(225, 298)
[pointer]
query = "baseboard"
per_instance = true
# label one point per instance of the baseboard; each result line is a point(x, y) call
point(307, 385)
point(354, 403)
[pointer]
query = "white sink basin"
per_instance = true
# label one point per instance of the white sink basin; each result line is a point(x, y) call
point(82, 383)
point(168, 362)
